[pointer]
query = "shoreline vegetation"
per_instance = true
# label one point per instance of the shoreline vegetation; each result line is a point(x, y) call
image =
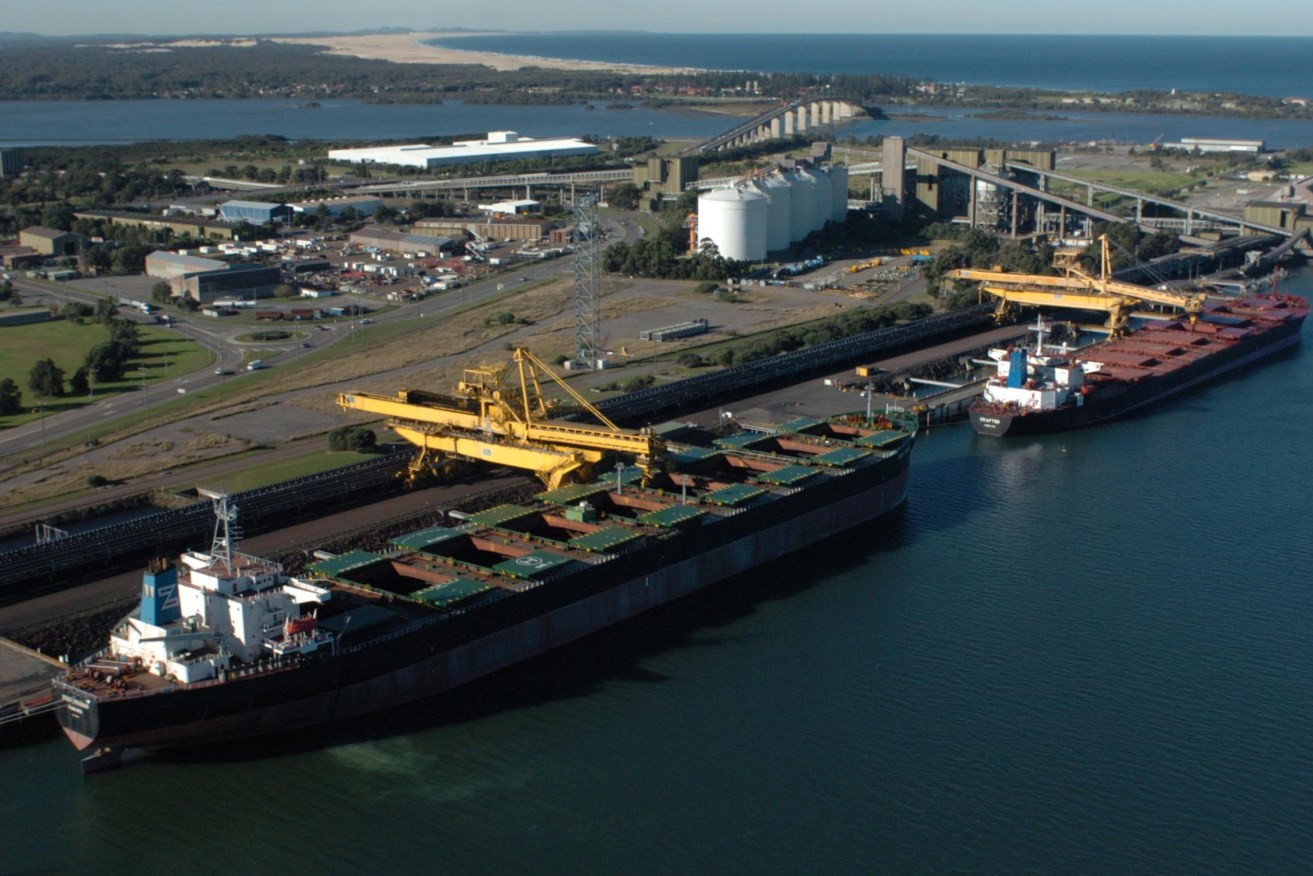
point(406, 68)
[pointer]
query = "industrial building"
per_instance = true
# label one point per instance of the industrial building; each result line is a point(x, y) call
point(50, 241)
point(254, 212)
point(521, 230)
point(361, 204)
point(665, 176)
point(1290, 207)
point(942, 187)
point(1212, 144)
point(771, 209)
point(12, 162)
point(511, 208)
point(499, 146)
point(376, 237)
point(179, 224)
point(205, 280)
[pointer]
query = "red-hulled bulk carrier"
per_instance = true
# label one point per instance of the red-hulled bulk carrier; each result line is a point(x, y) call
point(1050, 389)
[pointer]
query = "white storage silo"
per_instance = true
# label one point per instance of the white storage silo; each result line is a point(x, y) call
point(778, 202)
point(822, 201)
point(839, 195)
point(735, 220)
point(802, 191)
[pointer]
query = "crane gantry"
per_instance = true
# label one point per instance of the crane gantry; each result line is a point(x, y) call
point(1078, 290)
point(500, 416)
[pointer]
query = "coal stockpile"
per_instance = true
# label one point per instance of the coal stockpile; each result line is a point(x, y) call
point(35, 569)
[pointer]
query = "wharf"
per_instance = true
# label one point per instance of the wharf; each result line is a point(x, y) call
point(25, 682)
point(804, 399)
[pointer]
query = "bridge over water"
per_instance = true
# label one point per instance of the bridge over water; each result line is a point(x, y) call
point(784, 121)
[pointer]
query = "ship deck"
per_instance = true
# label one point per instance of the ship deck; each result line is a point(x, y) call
point(478, 559)
point(1158, 350)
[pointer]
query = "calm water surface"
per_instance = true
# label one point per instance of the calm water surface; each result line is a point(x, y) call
point(1272, 66)
point(1081, 653)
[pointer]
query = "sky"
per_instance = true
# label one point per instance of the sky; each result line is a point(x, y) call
point(1168, 17)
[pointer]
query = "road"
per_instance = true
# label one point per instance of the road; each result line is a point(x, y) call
point(219, 339)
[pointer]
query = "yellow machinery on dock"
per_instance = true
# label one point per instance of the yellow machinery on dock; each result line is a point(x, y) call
point(1077, 290)
point(499, 416)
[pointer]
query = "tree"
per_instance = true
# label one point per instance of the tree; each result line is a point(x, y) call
point(125, 334)
point(106, 362)
point(75, 310)
point(6, 290)
point(46, 379)
point(11, 397)
point(625, 196)
point(354, 438)
point(161, 292)
point(106, 309)
point(79, 384)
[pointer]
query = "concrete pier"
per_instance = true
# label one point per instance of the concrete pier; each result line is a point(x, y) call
point(25, 682)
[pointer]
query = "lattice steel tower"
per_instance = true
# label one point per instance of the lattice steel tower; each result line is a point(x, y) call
point(587, 288)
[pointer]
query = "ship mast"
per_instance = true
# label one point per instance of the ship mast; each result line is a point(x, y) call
point(225, 515)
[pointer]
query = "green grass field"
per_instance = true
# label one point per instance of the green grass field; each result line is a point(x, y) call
point(298, 466)
point(1151, 182)
point(163, 355)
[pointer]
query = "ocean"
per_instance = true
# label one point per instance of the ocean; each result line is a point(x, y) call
point(1085, 652)
point(1272, 66)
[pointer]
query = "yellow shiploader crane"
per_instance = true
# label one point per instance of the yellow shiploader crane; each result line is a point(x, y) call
point(496, 420)
point(1078, 290)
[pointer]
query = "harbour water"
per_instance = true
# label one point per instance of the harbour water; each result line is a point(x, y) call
point(1085, 652)
point(71, 123)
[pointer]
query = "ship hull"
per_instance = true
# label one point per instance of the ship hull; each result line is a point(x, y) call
point(1120, 400)
point(429, 661)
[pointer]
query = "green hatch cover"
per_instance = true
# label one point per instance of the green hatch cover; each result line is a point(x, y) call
point(425, 538)
point(452, 592)
point(604, 539)
point(798, 425)
point(500, 515)
point(841, 457)
point(570, 494)
point(741, 440)
point(881, 438)
point(338, 565)
point(788, 475)
point(532, 565)
point(672, 516)
point(734, 494)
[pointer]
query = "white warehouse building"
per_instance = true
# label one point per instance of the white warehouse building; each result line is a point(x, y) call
point(500, 146)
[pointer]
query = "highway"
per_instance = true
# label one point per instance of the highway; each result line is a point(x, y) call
point(218, 337)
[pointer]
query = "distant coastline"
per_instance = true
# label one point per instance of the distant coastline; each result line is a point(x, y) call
point(416, 48)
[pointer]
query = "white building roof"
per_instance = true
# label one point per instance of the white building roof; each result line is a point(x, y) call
point(500, 145)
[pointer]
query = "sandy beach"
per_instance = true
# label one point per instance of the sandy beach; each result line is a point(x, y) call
point(409, 48)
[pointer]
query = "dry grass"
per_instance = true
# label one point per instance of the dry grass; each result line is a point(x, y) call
point(142, 449)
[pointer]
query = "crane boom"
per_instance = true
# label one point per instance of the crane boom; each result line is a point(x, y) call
point(492, 419)
point(1078, 290)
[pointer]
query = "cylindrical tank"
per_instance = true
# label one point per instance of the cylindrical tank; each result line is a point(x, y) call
point(802, 191)
point(777, 192)
point(839, 193)
point(823, 205)
point(735, 220)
